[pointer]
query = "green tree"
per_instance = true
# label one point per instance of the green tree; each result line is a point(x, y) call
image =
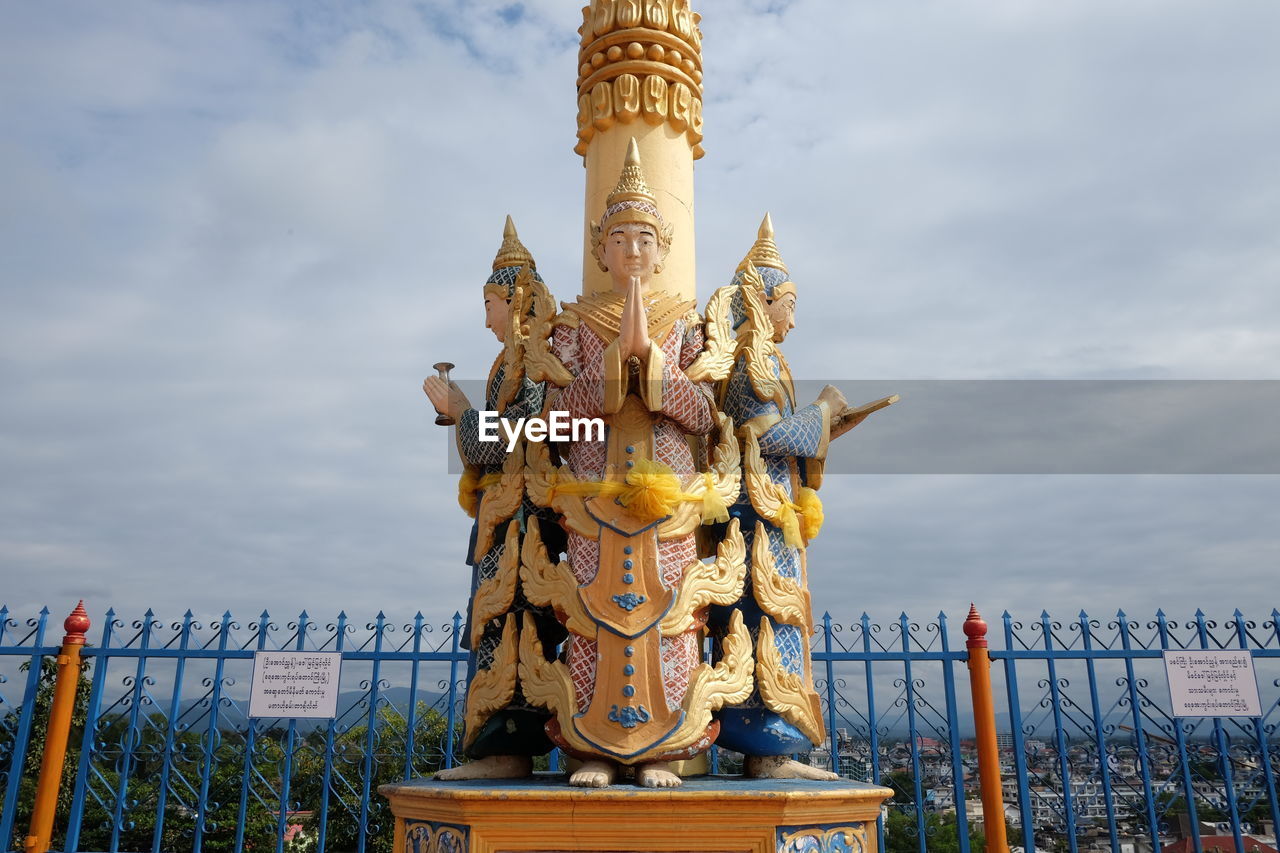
point(942, 834)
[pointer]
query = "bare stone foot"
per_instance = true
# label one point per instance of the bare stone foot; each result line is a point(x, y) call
point(492, 767)
point(594, 774)
point(781, 767)
point(657, 775)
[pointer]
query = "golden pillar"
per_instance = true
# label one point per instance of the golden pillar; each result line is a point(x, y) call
point(640, 77)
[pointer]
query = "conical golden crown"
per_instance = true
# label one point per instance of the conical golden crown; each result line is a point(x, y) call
point(512, 253)
point(765, 252)
point(631, 183)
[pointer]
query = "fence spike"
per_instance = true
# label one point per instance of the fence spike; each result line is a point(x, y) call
point(1006, 617)
point(1238, 615)
point(865, 617)
point(264, 615)
point(149, 615)
point(226, 614)
point(44, 611)
point(304, 616)
point(457, 617)
point(418, 616)
point(1199, 613)
point(1044, 615)
point(342, 614)
point(1120, 614)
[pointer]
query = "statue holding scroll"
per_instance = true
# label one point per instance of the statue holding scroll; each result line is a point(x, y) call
point(778, 509)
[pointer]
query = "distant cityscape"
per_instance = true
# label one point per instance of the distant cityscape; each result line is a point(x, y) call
point(1086, 792)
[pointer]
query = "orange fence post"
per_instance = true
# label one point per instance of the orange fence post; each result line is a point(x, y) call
point(984, 720)
point(55, 744)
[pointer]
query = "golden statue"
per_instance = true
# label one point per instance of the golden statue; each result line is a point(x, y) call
point(631, 688)
point(503, 730)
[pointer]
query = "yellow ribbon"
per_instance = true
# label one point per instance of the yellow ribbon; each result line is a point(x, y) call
point(651, 491)
point(809, 505)
point(469, 487)
point(802, 520)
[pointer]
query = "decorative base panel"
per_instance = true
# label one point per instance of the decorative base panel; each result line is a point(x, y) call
point(717, 813)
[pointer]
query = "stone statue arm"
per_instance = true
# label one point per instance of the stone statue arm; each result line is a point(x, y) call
point(805, 433)
point(666, 389)
point(584, 396)
point(528, 402)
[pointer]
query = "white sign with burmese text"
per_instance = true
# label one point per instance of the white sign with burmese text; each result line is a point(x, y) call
point(1212, 683)
point(299, 685)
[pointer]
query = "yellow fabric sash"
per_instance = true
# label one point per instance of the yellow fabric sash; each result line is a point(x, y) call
point(651, 491)
point(469, 487)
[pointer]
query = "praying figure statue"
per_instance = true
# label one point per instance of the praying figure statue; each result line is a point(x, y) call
point(503, 730)
point(630, 691)
point(778, 509)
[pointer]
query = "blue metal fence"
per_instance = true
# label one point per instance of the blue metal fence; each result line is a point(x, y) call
point(166, 757)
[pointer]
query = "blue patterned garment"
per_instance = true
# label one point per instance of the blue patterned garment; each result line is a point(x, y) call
point(516, 729)
point(491, 454)
point(789, 436)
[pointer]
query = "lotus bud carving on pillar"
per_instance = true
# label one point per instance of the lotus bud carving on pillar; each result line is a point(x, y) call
point(640, 77)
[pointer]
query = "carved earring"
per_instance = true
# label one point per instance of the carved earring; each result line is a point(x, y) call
point(657, 268)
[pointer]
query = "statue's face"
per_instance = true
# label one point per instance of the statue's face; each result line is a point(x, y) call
point(782, 313)
point(497, 313)
point(631, 250)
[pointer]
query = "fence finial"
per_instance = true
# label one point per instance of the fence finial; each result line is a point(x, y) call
point(76, 625)
point(975, 628)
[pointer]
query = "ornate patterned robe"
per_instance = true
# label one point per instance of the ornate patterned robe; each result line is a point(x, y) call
point(783, 713)
point(632, 687)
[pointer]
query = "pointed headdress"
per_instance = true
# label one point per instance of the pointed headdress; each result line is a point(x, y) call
point(762, 268)
point(512, 256)
point(631, 201)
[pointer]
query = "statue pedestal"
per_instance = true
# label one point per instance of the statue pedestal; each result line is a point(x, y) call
point(714, 813)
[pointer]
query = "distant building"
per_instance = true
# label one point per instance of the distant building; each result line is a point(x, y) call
point(1219, 844)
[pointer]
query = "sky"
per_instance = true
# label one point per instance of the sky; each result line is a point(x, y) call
point(237, 235)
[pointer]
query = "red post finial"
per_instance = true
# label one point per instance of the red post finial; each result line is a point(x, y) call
point(975, 629)
point(76, 625)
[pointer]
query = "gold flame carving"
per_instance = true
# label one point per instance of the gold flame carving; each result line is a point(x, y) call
point(718, 582)
point(493, 689)
point(715, 362)
point(500, 501)
point(549, 584)
point(783, 598)
point(495, 596)
point(544, 682)
point(787, 693)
